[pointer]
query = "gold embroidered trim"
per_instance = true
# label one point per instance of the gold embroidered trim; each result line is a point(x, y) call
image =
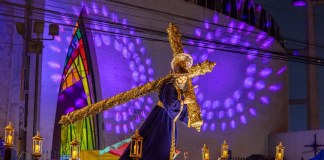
point(160, 104)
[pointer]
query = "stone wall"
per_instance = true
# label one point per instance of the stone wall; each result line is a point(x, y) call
point(11, 46)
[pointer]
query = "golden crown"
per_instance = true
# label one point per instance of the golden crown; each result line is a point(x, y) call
point(182, 58)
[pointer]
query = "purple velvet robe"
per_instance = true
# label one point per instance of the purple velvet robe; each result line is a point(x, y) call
point(157, 128)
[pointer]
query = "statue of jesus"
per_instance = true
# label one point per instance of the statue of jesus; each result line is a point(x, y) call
point(157, 130)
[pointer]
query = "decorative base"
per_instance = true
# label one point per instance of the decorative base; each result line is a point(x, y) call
point(37, 156)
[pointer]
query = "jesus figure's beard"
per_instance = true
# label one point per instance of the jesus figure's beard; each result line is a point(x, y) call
point(181, 86)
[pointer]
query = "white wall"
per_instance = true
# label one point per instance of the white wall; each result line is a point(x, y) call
point(270, 118)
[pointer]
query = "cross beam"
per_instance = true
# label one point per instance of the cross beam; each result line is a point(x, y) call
point(315, 145)
point(96, 108)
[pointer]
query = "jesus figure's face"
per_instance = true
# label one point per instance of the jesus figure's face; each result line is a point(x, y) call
point(181, 82)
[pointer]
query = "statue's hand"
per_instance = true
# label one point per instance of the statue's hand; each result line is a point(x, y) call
point(188, 100)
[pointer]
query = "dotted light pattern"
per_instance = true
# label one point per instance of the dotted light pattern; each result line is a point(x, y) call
point(124, 118)
point(218, 113)
point(127, 117)
point(239, 103)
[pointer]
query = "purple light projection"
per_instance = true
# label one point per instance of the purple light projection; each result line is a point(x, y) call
point(121, 119)
point(220, 112)
point(123, 64)
point(226, 102)
point(52, 68)
point(299, 3)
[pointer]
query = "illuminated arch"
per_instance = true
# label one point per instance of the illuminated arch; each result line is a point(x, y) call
point(75, 92)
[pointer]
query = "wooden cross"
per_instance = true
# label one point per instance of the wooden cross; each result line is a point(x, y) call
point(194, 111)
point(315, 145)
point(154, 86)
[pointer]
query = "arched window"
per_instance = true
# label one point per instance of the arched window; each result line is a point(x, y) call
point(263, 20)
point(226, 7)
point(245, 15)
point(252, 17)
point(233, 9)
point(211, 4)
